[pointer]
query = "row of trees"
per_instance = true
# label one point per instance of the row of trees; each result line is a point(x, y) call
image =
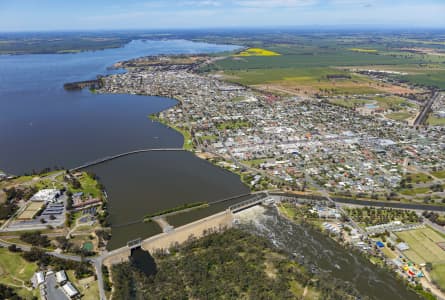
point(35, 238)
point(375, 216)
point(81, 269)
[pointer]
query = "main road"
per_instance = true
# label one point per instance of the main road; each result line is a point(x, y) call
point(422, 116)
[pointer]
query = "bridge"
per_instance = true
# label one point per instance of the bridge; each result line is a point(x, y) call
point(134, 244)
point(258, 199)
point(112, 157)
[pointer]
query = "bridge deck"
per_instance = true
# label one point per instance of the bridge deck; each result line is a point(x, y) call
point(108, 158)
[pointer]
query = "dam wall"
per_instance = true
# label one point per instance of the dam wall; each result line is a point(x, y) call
point(177, 235)
point(180, 234)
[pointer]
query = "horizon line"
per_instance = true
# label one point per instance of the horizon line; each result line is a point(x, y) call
point(352, 27)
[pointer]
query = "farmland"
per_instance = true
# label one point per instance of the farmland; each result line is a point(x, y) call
point(257, 52)
point(305, 60)
point(310, 70)
point(360, 50)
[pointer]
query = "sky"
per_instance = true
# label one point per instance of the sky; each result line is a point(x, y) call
point(53, 15)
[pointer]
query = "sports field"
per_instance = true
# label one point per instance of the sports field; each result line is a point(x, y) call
point(423, 245)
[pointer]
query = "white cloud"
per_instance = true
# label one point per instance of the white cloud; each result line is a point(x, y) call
point(275, 3)
point(203, 3)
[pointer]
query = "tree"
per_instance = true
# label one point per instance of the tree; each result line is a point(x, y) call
point(429, 266)
point(14, 248)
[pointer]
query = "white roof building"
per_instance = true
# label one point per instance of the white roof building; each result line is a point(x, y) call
point(61, 277)
point(70, 290)
point(402, 246)
point(45, 195)
point(39, 278)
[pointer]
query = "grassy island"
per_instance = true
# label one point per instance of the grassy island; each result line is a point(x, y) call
point(186, 206)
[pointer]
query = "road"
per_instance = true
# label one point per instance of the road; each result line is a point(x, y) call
point(339, 208)
point(95, 261)
point(421, 118)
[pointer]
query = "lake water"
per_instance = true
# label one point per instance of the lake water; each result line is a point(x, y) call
point(42, 125)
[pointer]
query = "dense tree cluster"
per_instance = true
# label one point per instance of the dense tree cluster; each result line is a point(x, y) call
point(230, 265)
point(20, 193)
point(7, 209)
point(370, 216)
point(8, 293)
point(35, 238)
point(434, 217)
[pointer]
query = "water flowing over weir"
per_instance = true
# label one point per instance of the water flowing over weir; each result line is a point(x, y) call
point(321, 254)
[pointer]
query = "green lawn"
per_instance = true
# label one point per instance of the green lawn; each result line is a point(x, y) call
point(89, 186)
point(423, 245)
point(434, 121)
point(414, 191)
point(439, 174)
point(438, 275)
point(15, 271)
point(350, 103)
point(393, 102)
point(399, 116)
point(188, 141)
point(418, 178)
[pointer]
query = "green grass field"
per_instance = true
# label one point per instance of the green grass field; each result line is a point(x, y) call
point(89, 186)
point(414, 191)
point(438, 275)
point(350, 103)
point(434, 121)
point(16, 272)
point(439, 174)
point(310, 58)
point(423, 245)
point(400, 116)
point(418, 178)
point(430, 78)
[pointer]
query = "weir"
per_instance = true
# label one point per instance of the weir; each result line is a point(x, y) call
point(165, 240)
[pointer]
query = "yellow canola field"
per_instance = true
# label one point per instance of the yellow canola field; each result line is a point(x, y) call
point(257, 52)
point(363, 50)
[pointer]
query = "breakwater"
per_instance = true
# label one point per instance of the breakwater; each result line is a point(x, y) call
point(91, 84)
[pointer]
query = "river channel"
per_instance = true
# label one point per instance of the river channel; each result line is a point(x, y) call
point(322, 254)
